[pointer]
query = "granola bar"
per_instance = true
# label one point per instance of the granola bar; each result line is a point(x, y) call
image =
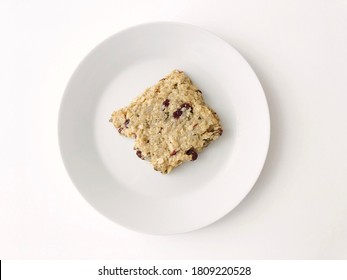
point(170, 122)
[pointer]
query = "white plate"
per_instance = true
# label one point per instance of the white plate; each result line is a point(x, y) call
point(103, 165)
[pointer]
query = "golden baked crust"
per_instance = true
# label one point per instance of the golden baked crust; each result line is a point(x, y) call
point(170, 122)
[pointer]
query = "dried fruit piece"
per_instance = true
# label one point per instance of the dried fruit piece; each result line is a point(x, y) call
point(139, 154)
point(177, 113)
point(187, 106)
point(193, 153)
point(166, 102)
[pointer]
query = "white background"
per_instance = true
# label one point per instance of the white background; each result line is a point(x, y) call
point(297, 209)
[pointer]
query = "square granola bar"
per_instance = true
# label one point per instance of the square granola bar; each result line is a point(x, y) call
point(170, 122)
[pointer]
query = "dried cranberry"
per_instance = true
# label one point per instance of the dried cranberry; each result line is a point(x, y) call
point(193, 153)
point(187, 106)
point(126, 123)
point(166, 103)
point(139, 154)
point(177, 114)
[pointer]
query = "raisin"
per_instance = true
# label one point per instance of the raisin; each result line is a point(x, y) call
point(126, 123)
point(166, 103)
point(177, 114)
point(193, 153)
